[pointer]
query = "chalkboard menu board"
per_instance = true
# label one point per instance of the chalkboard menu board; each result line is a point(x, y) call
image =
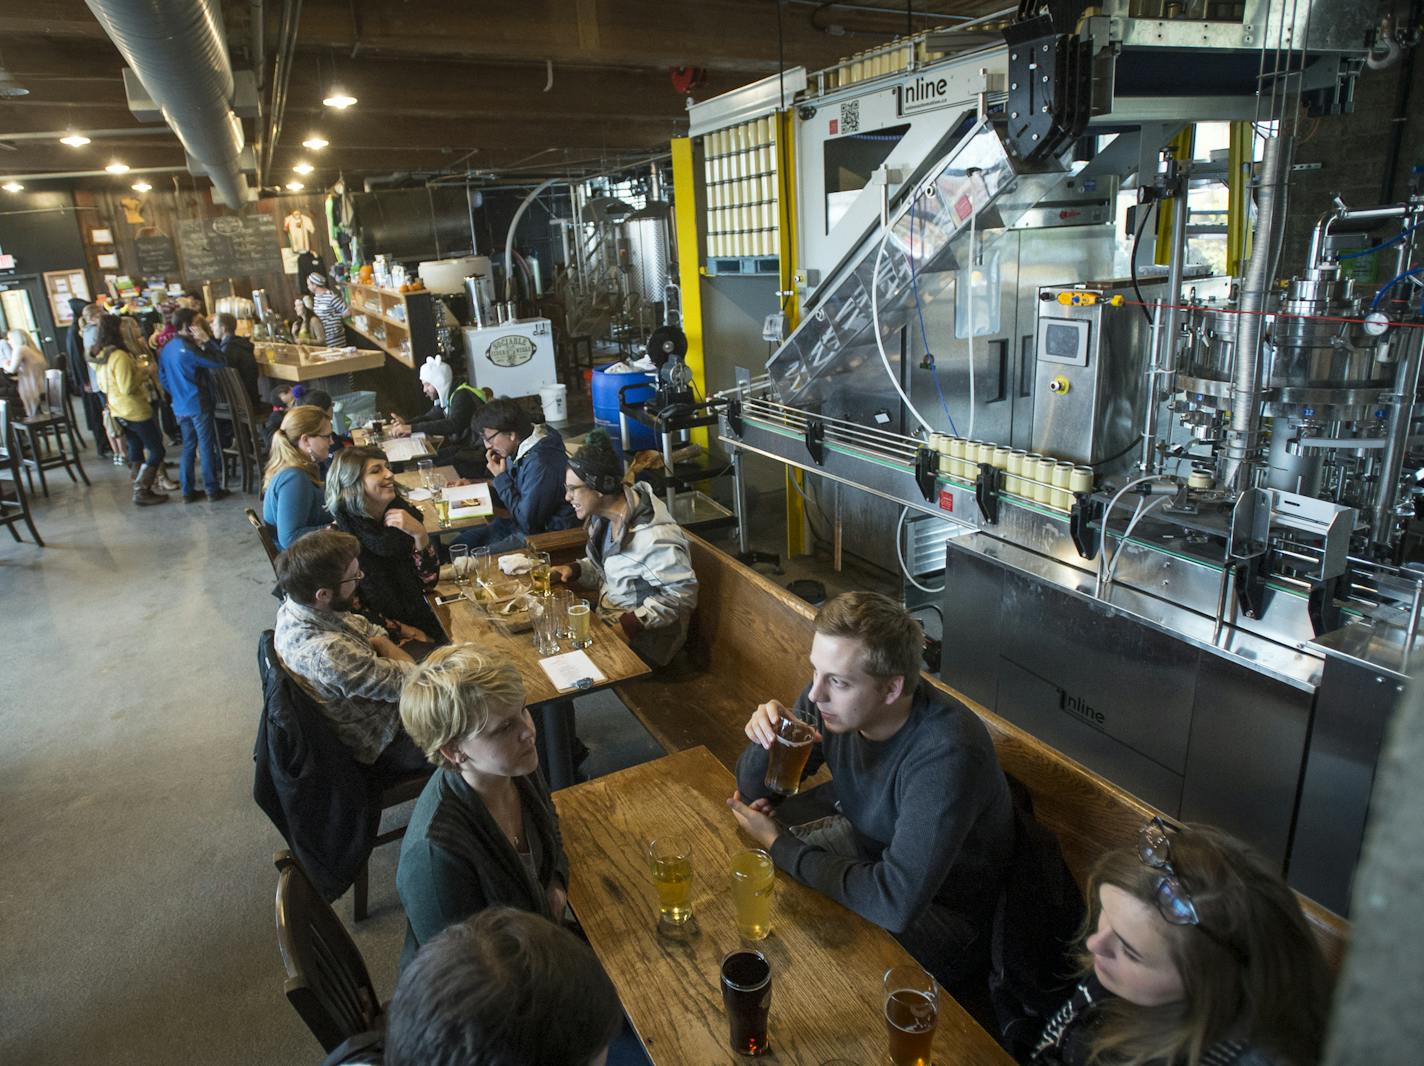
point(230, 247)
point(156, 255)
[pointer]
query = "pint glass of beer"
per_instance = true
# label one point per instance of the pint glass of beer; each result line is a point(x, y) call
point(580, 634)
point(911, 1014)
point(746, 991)
point(539, 573)
point(753, 878)
point(670, 859)
point(787, 757)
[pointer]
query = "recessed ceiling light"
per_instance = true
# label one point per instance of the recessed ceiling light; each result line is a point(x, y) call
point(295, 186)
point(141, 186)
point(75, 140)
point(303, 168)
point(316, 142)
point(12, 186)
point(117, 168)
point(339, 100)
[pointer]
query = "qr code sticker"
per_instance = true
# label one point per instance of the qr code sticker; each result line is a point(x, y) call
point(850, 116)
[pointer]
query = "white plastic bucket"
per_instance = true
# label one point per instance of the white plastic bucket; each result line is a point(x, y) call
point(555, 399)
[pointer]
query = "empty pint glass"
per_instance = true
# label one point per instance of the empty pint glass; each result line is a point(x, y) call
point(788, 755)
point(911, 1014)
point(746, 991)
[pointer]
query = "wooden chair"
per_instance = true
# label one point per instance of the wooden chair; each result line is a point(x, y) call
point(327, 980)
point(246, 448)
point(41, 439)
point(267, 535)
point(17, 510)
point(753, 637)
point(393, 795)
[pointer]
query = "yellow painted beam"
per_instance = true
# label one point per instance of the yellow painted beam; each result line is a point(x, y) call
point(1183, 142)
point(1238, 198)
point(686, 212)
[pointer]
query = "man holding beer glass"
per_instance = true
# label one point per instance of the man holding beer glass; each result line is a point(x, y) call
point(920, 827)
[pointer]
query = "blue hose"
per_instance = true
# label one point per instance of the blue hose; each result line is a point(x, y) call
point(1391, 283)
point(1379, 247)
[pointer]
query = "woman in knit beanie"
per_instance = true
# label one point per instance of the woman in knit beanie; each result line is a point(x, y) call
point(637, 556)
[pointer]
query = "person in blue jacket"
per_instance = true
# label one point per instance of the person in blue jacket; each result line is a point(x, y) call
point(181, 371)
point(527, 463)
point(293, 491)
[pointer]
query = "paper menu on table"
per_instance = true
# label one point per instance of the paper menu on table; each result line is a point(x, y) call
point(567, 670)
point(470, 501)
point(404, 449)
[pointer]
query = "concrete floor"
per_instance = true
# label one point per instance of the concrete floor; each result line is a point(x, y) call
point(137, 881)
point(137, 885)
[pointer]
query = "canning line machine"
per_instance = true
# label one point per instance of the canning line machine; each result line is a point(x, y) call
point(1171, 508)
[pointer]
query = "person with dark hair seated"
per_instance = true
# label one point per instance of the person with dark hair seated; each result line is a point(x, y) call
point(349, 665)
point(451, 416)
point(398, 558)
point(484, 831)
point(506, 988)
point(237, 350)
point(528, 464)
point(1195, 953)
point(637, 557)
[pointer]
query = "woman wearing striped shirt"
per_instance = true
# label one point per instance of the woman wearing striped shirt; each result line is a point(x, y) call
point(330, 310)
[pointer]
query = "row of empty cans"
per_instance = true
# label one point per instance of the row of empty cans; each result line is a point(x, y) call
point(892, 59)
point(1031, 476)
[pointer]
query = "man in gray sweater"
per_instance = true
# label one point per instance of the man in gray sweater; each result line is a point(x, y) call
point(921, 823)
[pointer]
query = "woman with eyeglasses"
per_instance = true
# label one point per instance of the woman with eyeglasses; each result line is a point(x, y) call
point(291, 484)
point(397, 554)
point(1196, 954)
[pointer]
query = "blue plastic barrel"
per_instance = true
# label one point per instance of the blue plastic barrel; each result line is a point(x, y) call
point(605, 406)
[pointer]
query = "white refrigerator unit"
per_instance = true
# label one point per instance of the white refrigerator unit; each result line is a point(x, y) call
point(515, 358)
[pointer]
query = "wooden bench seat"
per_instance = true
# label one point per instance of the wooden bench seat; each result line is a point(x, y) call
point(752, 637)
point(563, 545)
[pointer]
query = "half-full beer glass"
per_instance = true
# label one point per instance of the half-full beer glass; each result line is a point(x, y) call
point(911, 1014)
point(788, 755)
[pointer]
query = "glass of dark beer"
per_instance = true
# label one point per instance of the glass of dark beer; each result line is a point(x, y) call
point(911, 1014)
point(746, 991)
point(787, 757)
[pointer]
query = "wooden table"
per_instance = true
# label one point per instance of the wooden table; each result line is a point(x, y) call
point(292, 362)
point(827, 963)
point(467, 623)
point(410, 479)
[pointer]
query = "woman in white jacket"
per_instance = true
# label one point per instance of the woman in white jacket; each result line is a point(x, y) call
point(637, 555)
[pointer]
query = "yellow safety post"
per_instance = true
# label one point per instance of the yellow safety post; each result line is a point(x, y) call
point(798, 535)
point(1183, 142)
point(1240, 156)
point(686, 210)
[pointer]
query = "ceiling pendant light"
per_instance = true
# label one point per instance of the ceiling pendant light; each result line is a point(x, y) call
point(295, 186)
point(316, 142)
point(117, 168)
point(75, 140)
point(339, 99)
point(303, 168)
point(141, 186)
point(12, 186)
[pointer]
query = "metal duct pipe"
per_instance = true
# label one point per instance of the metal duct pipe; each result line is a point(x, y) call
point(178, 50)
point(1245, 431)
point(509, 237)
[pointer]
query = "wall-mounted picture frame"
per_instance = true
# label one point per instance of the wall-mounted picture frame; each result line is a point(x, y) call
point(101, 236)
point(61, 286)
point(108, 261)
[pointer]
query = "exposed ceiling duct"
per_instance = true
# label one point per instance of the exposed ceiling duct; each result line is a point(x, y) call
point(178, 51)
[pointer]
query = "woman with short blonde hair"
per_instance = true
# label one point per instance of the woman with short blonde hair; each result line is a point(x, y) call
point(483, 832)
point(291, 484)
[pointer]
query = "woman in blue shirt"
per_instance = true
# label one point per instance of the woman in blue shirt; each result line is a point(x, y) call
point(292, 485)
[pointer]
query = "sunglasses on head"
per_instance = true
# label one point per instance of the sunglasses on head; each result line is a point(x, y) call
point(1174, 902)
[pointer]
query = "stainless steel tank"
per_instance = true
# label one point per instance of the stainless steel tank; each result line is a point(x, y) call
point(646, 234)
